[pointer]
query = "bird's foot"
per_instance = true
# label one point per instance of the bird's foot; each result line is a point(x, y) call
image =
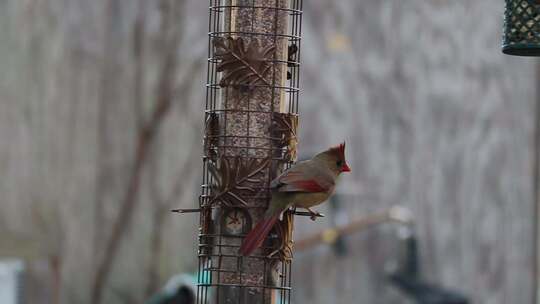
point(314, 215)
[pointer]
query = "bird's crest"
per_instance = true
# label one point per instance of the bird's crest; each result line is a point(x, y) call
point(339, 150)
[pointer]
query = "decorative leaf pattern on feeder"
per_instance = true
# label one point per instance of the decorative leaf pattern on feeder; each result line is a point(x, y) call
point(284, 230)
point(232, 176)
point(242, 65)
point(284, 126)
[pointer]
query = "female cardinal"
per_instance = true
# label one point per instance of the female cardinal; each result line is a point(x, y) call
point(306, 184)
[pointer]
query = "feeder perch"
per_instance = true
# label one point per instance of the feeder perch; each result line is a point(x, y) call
point(522, 28)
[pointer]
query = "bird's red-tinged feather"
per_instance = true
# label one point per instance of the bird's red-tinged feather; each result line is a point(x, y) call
point(307, 186)
point(298, 179)
point(256, 236)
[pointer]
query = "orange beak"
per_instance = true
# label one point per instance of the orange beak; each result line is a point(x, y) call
point(345, 168)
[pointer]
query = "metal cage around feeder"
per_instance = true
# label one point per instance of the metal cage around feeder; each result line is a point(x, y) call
point(250, 137)
point(522, 28)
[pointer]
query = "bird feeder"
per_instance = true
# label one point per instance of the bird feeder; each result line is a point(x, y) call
point(522, 28)
point(250, 137)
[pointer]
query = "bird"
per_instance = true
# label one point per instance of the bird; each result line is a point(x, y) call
point(306, 184)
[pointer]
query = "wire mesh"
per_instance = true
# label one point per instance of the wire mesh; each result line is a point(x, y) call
point(251, 117)
point(522, 28)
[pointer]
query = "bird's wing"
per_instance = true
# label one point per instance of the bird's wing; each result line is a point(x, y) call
point(303, 177)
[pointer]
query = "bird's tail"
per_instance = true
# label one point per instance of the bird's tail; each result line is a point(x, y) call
point(257, 235)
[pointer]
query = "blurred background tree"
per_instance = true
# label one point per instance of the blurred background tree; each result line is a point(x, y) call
point(101, 126)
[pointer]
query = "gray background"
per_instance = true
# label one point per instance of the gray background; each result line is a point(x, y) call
point(434, 116)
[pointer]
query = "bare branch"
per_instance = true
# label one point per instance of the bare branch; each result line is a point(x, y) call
point(145, 138)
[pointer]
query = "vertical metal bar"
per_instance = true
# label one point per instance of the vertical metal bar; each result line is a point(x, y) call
point(220, 265)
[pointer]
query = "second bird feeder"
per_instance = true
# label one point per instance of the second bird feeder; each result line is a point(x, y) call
point(522, 28)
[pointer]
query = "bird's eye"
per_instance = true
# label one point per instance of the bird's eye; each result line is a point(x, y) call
point(339, 163)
